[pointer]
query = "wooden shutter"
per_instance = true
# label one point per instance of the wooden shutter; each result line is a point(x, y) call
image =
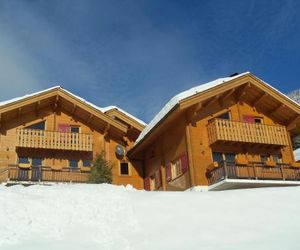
point(147, 184)
point(168, 172)
point(64, 128)
point(249, 118)
point(184, 163)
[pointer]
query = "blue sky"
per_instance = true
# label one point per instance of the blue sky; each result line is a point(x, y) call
point(138, 54)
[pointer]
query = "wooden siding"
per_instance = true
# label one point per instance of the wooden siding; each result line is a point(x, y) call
point(236, 131)
point(32, 138)
point(59, 152)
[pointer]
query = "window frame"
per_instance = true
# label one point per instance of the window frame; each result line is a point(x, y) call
point(74, 127)
point(70, 165)
point(128, 169)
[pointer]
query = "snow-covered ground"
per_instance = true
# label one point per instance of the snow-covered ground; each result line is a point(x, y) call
point(82, 216)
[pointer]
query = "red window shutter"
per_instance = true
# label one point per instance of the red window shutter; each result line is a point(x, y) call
point(147, 184)
point(248, 118)
point(168, 172)
point(64, 128)
point(184, 163)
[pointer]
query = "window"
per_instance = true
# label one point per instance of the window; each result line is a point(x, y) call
point(177, 167)
point(225, 116)
point(73, 163)
point(277, 158)
point(264, 158)
point(219, 157)
point(86, 163)
point(258, 120)
point(37, 126)
point(24, 160)
point(74, 129)
point(124, 169)
point(37, 161)
point(229, 157)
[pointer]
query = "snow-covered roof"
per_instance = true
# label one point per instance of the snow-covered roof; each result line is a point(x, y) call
point(297, 154)
point(3, 103)
point(191, 92)
point(103, 110)
point(108, 108)
point(179, 97)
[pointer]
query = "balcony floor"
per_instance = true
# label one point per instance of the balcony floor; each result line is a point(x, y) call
point(228, 184)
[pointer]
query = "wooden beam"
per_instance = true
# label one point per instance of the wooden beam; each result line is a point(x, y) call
point(194, 111)
point(19, 112)
point(90, 119)
point(241, 91)
point(74, 109)
point(257, 101)
point(292, 121)
point(37, 105)
point(0, 120)
point(106, 130)
point(226, 95)
point(190, 153)
point(211, 101)
point(56, 102)
point(276, 109)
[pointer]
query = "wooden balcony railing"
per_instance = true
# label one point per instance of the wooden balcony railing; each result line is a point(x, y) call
point(235, 131)
point(43, 174)
point(32, 138)
point(253, 171)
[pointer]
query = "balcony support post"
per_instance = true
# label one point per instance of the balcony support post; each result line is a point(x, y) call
point(225, 170)
point(282, 172)
point(254, 171)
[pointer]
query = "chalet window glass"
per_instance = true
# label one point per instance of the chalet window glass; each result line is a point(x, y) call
point(264, 158)
point(258, 120)
point(74, 129)
point(124, 168)
point(23, 159)
point(176, 169)
point(217, 157)
point(86, 163)
point(37, 126)
point(225, 116)
point(277, 158)
point(37, 161)
point(73, 164)
point(229, 157)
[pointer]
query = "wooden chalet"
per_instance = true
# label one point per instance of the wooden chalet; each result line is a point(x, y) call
point(234, 132)
point(54, 135)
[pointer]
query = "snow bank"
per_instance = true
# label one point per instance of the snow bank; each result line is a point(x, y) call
point(113, 217)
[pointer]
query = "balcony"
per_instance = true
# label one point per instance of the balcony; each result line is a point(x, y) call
point(220, 130)
point(32, 138)
point(14, 174)
point(255, 174)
